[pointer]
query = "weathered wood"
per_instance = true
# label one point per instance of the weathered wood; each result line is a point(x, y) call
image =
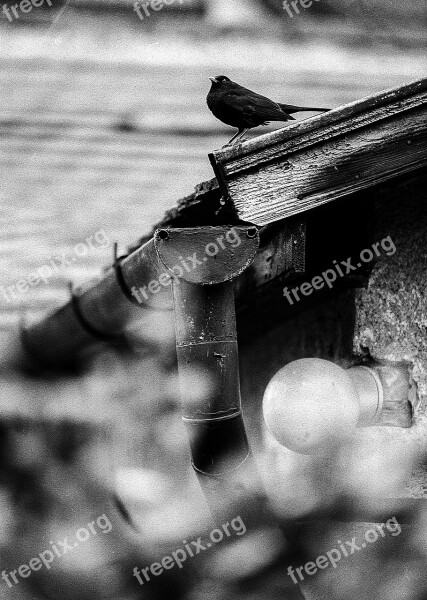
point(325, 158)
point(281, 255)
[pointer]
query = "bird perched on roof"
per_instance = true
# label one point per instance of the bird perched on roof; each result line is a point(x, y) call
point(239, 107)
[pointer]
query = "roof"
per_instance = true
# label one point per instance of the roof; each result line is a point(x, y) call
point(321, 159)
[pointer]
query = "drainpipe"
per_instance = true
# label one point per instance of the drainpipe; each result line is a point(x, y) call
point(206, 343)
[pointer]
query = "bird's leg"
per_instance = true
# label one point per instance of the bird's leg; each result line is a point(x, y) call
point(237, 137)
point(242, 135)
point(230, 143)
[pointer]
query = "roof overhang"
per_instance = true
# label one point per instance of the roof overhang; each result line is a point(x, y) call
point(321, 159)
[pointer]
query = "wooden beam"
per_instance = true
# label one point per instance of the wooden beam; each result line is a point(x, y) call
point(313, 162)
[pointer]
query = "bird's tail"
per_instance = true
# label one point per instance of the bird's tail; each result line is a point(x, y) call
point(289, 108)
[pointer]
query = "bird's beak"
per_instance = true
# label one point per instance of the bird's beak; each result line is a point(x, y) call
point(213, 79)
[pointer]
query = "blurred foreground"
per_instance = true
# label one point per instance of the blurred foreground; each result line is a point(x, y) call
point(70, 449)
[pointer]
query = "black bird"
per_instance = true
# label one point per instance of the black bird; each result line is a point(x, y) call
point(239, 107)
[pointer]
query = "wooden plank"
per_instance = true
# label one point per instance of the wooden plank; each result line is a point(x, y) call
point(342, 114)
point(313, 162)
point(281, 254)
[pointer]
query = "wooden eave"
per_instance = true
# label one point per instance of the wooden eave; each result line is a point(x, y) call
point(318, 160)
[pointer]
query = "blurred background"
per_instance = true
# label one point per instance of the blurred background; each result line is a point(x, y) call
point(103, 127)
